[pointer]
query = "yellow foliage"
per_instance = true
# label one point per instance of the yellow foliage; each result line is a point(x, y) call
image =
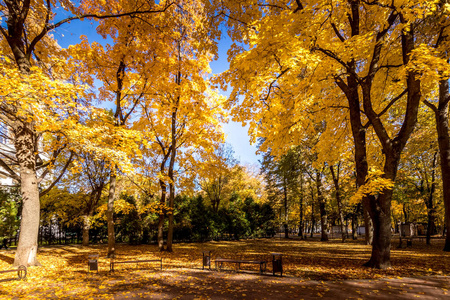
point(375, 184)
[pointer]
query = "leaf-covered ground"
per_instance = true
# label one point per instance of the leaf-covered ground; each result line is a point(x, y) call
point(312, 269)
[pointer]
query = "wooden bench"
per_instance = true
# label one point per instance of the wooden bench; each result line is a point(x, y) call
point(262, 263)
point(21, 272)
point(112, 263)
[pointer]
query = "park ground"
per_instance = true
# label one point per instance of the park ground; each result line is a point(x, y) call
point(312, 270)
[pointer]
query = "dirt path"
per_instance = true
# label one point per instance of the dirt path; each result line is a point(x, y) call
point(198, 284)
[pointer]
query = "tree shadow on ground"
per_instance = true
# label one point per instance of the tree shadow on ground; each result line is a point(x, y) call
point(7, 259)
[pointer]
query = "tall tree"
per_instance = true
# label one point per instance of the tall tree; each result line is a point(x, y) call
point(365, 88)
point(125, 71)
point(95, 176)
point(182, 113)
point(28, 45)
point(282, 181)
point(436, 68)
point(217, 176)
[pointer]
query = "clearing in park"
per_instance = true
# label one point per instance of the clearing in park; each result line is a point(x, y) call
point(312, 269)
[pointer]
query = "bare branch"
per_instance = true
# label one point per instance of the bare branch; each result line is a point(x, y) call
point(59, 177)
point(10, 173)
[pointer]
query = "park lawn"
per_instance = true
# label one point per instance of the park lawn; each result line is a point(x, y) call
point(63, 273)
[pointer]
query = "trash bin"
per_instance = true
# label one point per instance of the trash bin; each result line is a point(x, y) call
point(277, 263)
point(93, 262)
point(206, 259)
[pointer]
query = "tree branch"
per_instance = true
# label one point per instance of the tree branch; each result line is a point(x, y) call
point(48, 28)
point(337, 59)
point(392, 102)
point(337, 32)
point(10, 173)
point(44, 192)
point(430, 105)
point(299, 6)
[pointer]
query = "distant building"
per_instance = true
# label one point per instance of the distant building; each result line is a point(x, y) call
point(5, 148)
point(361, 230)
point(408, 229)
point(336, 229)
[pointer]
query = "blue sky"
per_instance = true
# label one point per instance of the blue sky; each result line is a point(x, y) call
point(237, 136)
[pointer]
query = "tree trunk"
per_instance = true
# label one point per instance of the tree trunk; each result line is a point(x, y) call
point(110, 213)
point(354, 226)
point(170, 171)
point(171, 224)
point(313, 219)
point(339, 200)
point(50, 233)
point(322, 208)
point(430, 201)
point(285, 202)
point(368, 224)
point(161, 215)
point(301, 225)
point(431, 224)
point(381, 246)
point(86, 227)
point(29, 225)
point(442, 126)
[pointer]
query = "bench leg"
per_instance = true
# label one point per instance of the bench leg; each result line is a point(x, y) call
point(262, 268)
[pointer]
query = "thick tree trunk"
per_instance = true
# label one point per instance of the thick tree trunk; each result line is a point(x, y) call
point(368, 224)
point(381, 246)
point(442, 126)
point(431, 224)
point(24, 138)
point(110, 214)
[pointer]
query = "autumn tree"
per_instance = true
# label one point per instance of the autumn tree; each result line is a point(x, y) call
point(419, 174)
point(283, 182)
point(182, 112)
point(124, 69)
point(348, 59)
point(95, 176)
point(433, 64)
point(28, 52)
point(217, 176)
